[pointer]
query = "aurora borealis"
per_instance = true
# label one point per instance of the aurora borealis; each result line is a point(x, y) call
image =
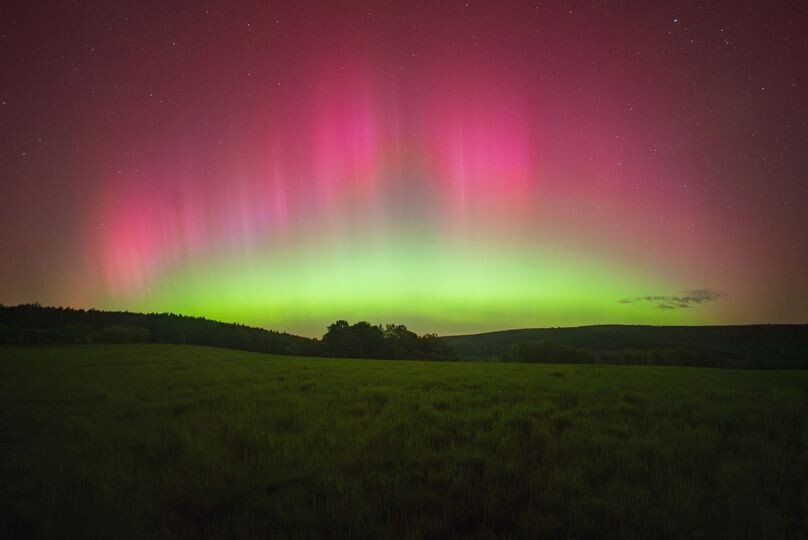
point(452, 166)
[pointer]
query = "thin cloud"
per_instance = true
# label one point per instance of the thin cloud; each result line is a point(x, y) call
point(685, 300)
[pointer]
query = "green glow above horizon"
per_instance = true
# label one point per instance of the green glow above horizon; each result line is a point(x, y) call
point(429, 288)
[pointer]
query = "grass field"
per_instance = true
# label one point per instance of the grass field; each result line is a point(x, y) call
point(181, 441)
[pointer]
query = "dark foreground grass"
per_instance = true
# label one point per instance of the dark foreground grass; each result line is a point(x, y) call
point(179, 441)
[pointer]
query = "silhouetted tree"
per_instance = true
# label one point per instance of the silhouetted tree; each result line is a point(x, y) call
point(371, 339)
point(401, 342)
point(360, 340)
point(364, 340)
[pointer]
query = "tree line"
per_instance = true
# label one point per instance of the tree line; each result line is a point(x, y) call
point(33, 324)
point(768, 355)
point(364, 340)
point(753, 347)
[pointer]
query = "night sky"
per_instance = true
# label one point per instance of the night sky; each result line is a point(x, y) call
point(452, 166)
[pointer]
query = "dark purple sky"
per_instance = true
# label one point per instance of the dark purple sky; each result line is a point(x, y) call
point(150, 146)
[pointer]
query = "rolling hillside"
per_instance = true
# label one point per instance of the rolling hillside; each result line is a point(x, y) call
point(756, 346)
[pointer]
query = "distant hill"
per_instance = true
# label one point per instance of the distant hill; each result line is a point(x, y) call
point(753, 346)
point(33, 324)
point(39, 325)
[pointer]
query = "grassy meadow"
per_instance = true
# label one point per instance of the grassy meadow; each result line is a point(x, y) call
point(184, 441)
